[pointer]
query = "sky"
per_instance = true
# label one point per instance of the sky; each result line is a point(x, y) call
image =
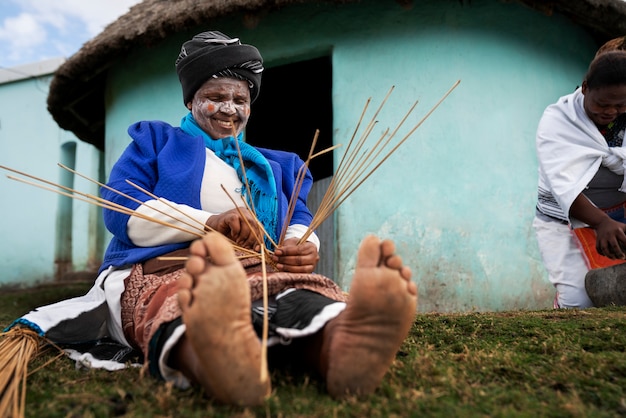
point(36, 30)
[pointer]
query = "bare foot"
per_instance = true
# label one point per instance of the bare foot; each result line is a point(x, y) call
point(361, 343)
point(215, 301)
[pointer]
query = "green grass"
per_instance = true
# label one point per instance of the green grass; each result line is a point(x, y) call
point(510, 364)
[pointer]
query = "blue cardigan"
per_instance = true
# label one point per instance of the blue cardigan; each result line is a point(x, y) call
point(170, 164)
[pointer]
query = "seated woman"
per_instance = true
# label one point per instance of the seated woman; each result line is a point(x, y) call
point(581, 180)
point(201, 324)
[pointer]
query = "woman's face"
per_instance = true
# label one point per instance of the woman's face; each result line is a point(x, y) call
point(604, 104)
point(221, 106)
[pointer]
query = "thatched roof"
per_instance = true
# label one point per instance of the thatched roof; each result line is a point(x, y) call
point(76, 97)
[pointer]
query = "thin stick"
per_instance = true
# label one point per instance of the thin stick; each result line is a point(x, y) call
point(349, 155)
point(171, 206)
point(183, 258)
point(366, 161)
point(357, 175)
point(299, 180)
point(331, 200)
point(341, 171)
point(293, 200)
point(263, 372)
point(107, 204)
point(360, 121)
point(171, 258)
point(325, 151)
point(259, 224)
point(250, 207)
point(106, 186)
point(61, 353)
point(298, 186)
point(369, 127)
point(243, 169)
point(264, 336)
point(89, 196)
point(202, 230)
point(296, 192)
point(408, 134)
point(265, 233)
point(110, 206)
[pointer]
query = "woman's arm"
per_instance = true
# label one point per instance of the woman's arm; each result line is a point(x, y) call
point(610, 235)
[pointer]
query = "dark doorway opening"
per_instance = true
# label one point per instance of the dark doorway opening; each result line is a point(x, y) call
point(295, 100)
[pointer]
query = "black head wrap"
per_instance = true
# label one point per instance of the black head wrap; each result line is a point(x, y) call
point(213, 54)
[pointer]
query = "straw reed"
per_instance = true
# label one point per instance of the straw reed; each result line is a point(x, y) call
point(17, 347)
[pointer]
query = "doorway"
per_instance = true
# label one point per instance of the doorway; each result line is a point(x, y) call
point(295, 100)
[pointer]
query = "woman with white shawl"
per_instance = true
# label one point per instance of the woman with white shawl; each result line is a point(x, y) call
point(581, 179)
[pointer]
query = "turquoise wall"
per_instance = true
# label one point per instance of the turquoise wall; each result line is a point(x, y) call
point(30, 141)
point(458, 197)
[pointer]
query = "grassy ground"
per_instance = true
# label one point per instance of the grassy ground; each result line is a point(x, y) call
point(511, 364)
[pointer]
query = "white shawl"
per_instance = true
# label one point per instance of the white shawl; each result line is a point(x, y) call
point(570, 149)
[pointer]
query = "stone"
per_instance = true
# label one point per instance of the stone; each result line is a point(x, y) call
point(607, 286)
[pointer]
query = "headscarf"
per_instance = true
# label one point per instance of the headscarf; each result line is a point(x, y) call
point(213, 54)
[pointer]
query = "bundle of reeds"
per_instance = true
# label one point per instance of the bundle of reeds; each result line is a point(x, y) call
point(363, 157)
point(17, 347)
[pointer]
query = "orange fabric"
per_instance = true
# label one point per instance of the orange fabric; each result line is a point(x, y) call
point(586, 238)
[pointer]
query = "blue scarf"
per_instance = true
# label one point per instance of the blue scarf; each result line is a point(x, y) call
point(263, 197)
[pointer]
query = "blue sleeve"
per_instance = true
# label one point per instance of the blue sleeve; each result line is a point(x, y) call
point(138, 163)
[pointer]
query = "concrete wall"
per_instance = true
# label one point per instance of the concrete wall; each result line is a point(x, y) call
point(459, 196)
point(42, 234)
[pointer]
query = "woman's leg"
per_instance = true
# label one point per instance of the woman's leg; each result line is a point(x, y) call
point(220, 349)
point(355, 350)
point(564, 262)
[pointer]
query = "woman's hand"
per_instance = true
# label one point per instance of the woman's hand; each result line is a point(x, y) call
point(611, 238)
point(243, 232)
point(296, 258)
point(610, 234)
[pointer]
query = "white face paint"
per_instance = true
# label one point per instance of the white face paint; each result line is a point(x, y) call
point(221, 106)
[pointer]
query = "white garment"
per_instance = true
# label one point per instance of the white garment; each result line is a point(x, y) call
point(570, 149)
point(564, 262)
point(85, 318)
